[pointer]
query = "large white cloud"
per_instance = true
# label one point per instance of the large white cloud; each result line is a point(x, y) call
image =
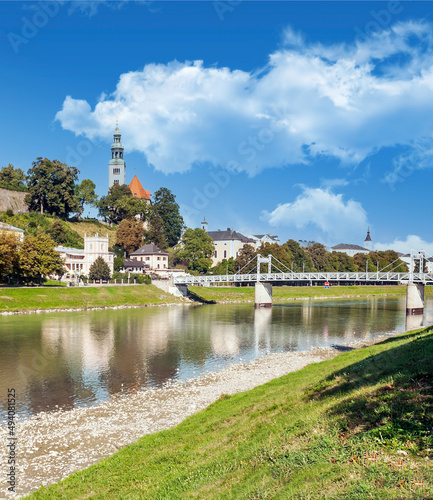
point(344, 101)
point(412, 242)
point(337, 220)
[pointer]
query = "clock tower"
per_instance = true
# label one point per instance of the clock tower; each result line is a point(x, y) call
point(117, 165)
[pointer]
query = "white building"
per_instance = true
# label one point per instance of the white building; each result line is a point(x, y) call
point(349, 249)
point(78, 261)
point(152, 255)
point(228, 244)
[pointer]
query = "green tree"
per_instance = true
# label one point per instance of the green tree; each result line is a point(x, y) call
point(118, 264)
point(99, 270)
point(58, 232)
point(8, 254)
point(156, 232)
point(119, 204)
point(196, 248)
point(130, 234)
point(245, 255)
point(301, 259)
point(226, 266)
point(85, 194)
point(280, 252)
point(321, 257)
point(164, 204)
point(52, 187)
point(12, 177)
point(38, 259)
point(342, 262)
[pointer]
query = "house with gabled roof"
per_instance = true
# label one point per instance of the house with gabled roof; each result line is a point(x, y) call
point(152, 255)
point(228, 243)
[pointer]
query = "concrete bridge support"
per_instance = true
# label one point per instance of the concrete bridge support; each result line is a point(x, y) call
point(262, 294)
point(415, 298)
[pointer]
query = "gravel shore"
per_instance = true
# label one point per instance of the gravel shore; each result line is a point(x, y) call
point(51, 446)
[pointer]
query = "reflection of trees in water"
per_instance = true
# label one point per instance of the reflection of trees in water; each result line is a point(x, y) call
point(89, 355)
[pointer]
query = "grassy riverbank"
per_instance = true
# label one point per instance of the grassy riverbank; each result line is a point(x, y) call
point(38, 298)
point(281, 293)
point(356, 426)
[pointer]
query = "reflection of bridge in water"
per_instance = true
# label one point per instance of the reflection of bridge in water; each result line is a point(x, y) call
point(263, 281)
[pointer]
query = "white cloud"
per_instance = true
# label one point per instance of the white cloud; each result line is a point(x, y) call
point(342, 101)
point(412, 242)
point(338, 221)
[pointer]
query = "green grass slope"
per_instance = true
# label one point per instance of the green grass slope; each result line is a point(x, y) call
point(26, 299)
point(357, 426)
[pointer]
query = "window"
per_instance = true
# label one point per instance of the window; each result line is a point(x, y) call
point(116, 171)
point(91, 246)
point(158, 258)
point(147, 258)
point(116, 182)
point(216, 254)
point(102, 247)
point(225, 254)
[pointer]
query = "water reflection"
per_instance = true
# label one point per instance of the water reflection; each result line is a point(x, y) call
point(73, 359)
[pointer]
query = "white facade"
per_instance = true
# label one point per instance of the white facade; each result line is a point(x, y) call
point(117, 165)
point(228, 244)
point(261, 239)
point(78, 261)
point(348, 249)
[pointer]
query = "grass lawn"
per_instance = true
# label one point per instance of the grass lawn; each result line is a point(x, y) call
point(357, 426)
point(246, 294)
point(25, 299)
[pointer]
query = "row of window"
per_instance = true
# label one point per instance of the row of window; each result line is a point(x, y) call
point(116, 171)
point(225, 254)
point(116, 154)
point(148, 258)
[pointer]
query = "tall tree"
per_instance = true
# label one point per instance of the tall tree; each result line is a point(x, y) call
point(196, 248)
point(8, 254)
point(85, 194)
point(164, 204)
point(12, 177)
point(38, 259)
point(52, 187)
point(321, 257)
point(99, 270)
point(156, 231)
point(245, 255)
point(130, 234)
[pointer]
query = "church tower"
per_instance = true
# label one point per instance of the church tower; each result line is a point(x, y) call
point(368, 244)
point(117, 165)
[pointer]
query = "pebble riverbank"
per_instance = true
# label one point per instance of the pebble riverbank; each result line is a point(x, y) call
point(51, 446)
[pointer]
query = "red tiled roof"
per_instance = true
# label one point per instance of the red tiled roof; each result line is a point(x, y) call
point(138, 190)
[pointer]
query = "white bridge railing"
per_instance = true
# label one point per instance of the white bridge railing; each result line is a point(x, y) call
point(295, 277)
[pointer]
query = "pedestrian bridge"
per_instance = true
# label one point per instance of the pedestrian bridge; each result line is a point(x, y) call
point(366, 278)
point(263, 282)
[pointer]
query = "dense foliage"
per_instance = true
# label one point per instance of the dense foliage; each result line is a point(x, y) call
point(165, 206)
point(130, 234)
point(85, 194)
point(99, 270)
point(52, 188)
point(195, 249)
point(119, 204)
point(13, 178)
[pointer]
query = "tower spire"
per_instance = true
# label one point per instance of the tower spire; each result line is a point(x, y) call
point(117, 165)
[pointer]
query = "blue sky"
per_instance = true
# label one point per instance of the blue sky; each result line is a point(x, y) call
point(309, 120)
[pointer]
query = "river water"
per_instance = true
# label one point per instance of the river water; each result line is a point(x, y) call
point(72, 359)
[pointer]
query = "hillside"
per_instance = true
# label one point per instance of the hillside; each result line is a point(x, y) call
point(356, 426)
point(13, 200)
point(91, 227)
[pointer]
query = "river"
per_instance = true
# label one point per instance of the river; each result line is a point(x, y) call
point(74, 359)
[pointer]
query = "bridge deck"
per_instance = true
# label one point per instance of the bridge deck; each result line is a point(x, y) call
point(297, 277)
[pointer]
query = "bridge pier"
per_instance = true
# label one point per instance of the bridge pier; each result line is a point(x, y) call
point(262, 295)
point(415, 298)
